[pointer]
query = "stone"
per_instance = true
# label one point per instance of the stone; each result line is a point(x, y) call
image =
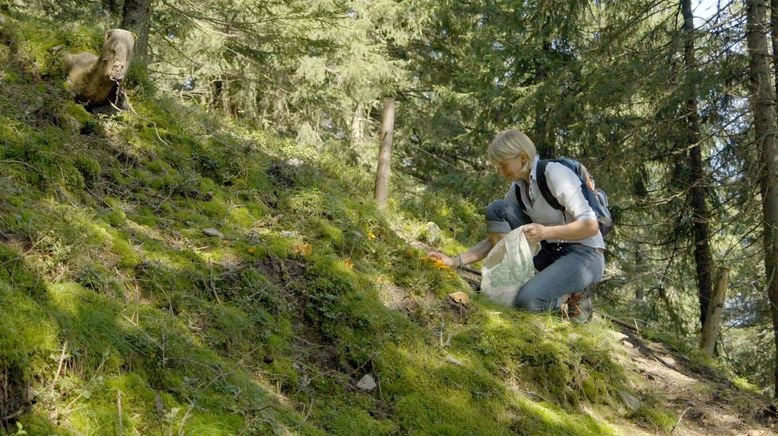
point(295, 162)
point(210, 231)
point(367, 383)
point(632, 402)
point(453, 360)
point(459, 298)
point(431, 233)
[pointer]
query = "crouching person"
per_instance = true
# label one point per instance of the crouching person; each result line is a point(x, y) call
point(571, 257)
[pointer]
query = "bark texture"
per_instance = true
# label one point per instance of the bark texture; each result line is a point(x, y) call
point(385, 154)
point(763, 108)
point(700, 214)
point(136, 17)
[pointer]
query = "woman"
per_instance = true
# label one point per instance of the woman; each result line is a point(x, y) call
point(571, 257)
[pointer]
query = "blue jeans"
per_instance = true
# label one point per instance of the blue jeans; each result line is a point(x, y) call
point(562, 268)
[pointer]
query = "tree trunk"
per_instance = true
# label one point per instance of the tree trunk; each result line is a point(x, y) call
point(136, 18)
point(542, 134)
point(385, 154)
point(112, 6)
point(763, 108)
point(712, 326)
point(358, 124)
point(700, 215)
point(640, 293)
point(774, 36)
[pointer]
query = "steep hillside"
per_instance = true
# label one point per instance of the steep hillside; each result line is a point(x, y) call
point(165, 271)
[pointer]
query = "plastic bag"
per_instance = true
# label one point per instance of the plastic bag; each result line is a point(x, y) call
point(507, 267)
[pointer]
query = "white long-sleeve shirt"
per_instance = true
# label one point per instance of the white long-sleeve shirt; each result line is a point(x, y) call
point(565, 186)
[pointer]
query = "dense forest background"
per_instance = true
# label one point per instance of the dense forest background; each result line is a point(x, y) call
point(672, 110)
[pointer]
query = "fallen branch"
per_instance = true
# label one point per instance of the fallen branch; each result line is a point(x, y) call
point(470, 270)
point(619, 322)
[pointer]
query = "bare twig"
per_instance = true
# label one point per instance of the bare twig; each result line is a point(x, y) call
point(679, 419)
point(183, 420)
point(119, 409)
point(619, 322)
point(59, 367)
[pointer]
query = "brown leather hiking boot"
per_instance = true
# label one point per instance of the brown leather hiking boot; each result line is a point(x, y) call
point(579, 308)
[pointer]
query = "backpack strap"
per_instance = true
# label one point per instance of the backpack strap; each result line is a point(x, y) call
point(522, 208)
point(518, 197)
point(543, 185)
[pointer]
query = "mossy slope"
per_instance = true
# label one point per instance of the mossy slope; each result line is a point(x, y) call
point(123, 310)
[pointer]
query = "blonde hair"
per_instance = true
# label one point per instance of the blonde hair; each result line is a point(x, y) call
point(509, 144)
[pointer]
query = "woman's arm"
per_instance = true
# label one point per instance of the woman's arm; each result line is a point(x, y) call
point(567, 188)
point(474, 254)
point(578, 229)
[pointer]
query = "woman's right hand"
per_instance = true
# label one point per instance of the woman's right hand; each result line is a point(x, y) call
point(452, 262)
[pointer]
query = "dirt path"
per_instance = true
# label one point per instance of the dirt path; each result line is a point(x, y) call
point(706, 405)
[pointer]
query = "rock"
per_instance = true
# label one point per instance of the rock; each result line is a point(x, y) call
point(453, 360)
point(431, 233)
point(619, 336)
point(632, 402)
point(367, 383)
point(459, 298)
point(294, 162)
point(669, 361)
point(210, 231)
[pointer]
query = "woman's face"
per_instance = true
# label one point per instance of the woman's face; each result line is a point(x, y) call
point(513, 168)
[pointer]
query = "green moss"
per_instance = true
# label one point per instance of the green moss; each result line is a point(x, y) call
point(201, 336)
point(128, 257)
point(654, 418)
point(356, 421)
point(34, 40)
point(214, 208)
point(145, 215)
point(89, 168)
point(97, 277)
point(27, 332)
point(15, 273)
point(230, 329)
point(545, 418)
point(100, 411)
point(36, 424)
point(207, 185)
point(241, 217)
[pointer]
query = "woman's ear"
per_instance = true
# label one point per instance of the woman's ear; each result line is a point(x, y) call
point(525, 163)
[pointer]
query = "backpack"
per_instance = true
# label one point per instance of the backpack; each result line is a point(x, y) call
point(596, 197)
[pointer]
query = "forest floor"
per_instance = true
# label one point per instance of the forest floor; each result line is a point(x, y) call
point(705, 404)
point(172, 272)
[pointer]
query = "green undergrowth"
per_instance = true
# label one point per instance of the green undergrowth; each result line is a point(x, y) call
point(170, 272)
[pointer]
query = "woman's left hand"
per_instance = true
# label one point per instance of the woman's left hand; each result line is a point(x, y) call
point(535, 232)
